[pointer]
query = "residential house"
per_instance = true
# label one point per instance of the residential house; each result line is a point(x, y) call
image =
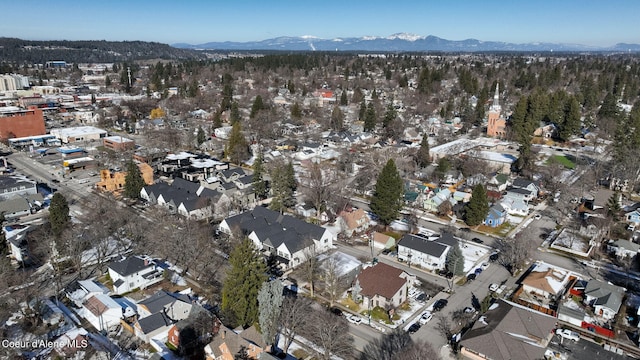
point(508, 331)
point(515, 206)
point(382, 241)
point(21, 205)
point(227, 344)
point(426, 253)
point(81, 290)
point(182, 335)
point(133, 273)
point(605, 298)
point(436, 198)
point(383, 286)
point(158, 313)
point(461, 196)
point(291, 240)
point(498, 182)
point(353, 221)
point(101, 311)
point(497, 216)
point(13, 185)
point(546, 131)
point(522, 183)
point(525, 195)
point(623, 248)
point(546, 282)
point(633, 217)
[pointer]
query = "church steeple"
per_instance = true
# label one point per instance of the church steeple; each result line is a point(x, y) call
point(496, 97)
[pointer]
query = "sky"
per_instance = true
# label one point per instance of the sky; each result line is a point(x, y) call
point(586, 22)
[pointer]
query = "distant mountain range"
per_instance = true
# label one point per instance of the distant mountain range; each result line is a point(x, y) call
point(400, 42)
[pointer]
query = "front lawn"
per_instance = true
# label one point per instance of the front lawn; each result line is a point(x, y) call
point(562, 160)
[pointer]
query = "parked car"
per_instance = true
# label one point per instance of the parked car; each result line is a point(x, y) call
point(446, 273)
point(334, 310)
point(494, 287)
point(413, 328)
point(469, 310)
point(354, 319)
point(477, 240)
point(537, 217)
point(426, 317)
point(493, 257)
point(568, 334)
point(484, 265)
point(478, 271)
point(440, 304)
point(422, 297)
point(471, 277)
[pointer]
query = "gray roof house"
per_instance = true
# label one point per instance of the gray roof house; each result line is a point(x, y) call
point(425, 252)
point(290, 239)
point(133, 273)
point(508, 331)
point(605, 298)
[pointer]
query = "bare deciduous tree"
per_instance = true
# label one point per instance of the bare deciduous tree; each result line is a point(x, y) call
point(515, 251)
point(293, 318)
point(330, 334)
point(318, 184)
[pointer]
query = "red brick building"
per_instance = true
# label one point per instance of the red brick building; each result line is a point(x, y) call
point(21, 123)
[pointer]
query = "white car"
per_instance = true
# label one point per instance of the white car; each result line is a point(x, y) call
point(354, 319)
point(568, 334)
point(494, 287)
point(537, 217)
point(425, 317)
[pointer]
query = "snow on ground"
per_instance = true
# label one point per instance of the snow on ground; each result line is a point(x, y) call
point(344, 263)
point(399, 226)
point(472, 255)
point(514, 219)
point(570, 240)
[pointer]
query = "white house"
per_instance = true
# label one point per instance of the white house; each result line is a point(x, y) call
point(133, 273)
point(546, 281)
point(101, 311)
point(515, 206)
point(427, 253)
point(623, 248)
point(605, 298)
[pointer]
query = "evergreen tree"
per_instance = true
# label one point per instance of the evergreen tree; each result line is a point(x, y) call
point(107, 81)
point(389, 116)
point(370, 118)
point(337, 118)
point(257, 106)
point(388, 198)
point(217, 119)
point(478, 207)
point(133, 182)
point(234, 113)
point(259, 184)
point(296, 111)
point(270, 298)
point(200, 136)
point(455, 260)
point(423, 159)
point(343, 99)
point(245, 276)
point(283, 187)
point(363, 110)
point(58, 214)
point(237, 149)
point(571, 124)
point(613, 206)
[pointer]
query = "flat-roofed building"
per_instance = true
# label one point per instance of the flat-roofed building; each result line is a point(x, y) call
point(118, 143)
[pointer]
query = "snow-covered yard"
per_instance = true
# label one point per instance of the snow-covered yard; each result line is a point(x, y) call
point(572, 242)
point(472, 255)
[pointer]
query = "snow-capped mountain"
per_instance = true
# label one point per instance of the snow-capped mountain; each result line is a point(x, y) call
point(399, 42)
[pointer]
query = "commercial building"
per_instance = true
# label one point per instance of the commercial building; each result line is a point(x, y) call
point(21, 123)
point(79, 134)
point(118, 143)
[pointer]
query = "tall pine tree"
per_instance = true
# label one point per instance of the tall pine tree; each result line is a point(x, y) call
point(259, 184)
point(133, 182)
point(237, 149)
point(58, 214)
point(388, 199)
point(423, 159)
point(370, 118)
point(244, 279)
point(478, 207)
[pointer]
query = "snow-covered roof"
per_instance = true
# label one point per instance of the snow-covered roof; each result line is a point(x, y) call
point(180, 156)
point(205, 163)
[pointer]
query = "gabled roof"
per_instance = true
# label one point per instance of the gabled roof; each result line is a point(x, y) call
point(98, 304)
point(234, 341)
point(157, 302)
point(154, 322)
point(510, 331)
point(130, 265)
point(381, 279)
point(351, 217)
point(516, 190)
point(606, 294)
point(423, 245)
point(523, 183)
